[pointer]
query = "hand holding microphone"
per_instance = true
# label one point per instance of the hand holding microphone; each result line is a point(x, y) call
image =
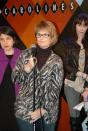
point(31, 62)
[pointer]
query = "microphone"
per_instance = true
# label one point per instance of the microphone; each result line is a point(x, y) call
point(33, 50)
point(33, 54)
point(31, 61)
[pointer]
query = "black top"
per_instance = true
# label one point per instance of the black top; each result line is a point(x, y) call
point(7, 98)
point(42, 56)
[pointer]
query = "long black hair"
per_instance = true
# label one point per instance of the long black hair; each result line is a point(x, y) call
point(81, 17)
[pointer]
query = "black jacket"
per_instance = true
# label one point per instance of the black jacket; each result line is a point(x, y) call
point(71, 61)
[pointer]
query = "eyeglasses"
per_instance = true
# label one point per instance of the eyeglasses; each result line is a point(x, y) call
point(46, 35)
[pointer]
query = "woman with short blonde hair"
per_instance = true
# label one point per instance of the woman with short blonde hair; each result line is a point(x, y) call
point(48, 25)
point(48, 81)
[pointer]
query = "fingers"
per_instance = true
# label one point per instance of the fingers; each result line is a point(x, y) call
point(79, 73)
point(29, 65)
point(32, 121)
point(35, 115)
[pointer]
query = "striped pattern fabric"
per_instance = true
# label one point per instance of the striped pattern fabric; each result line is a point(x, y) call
point(48, 83)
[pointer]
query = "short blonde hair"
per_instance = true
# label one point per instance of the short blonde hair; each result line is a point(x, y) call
point(48, 25)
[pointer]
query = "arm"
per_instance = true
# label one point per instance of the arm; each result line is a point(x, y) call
point(56, 80)
point(53, 91)
point(20, 74)
point(17, 71)
point(85, 77)
point(70, 65)
point(85, 92)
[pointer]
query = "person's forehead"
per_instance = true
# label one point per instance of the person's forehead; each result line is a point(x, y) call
point(43, 30)
point(2, 35)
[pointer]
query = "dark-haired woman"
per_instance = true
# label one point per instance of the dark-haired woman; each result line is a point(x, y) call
point(8, 57)
point(76, 68)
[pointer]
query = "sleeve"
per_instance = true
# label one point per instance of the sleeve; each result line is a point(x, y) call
point(56, 81)
point(70, 65)
point(18, 74)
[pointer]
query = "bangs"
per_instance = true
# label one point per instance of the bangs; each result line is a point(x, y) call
point(82, 18)
point(42, 26)
point(7, 31)
point(80, 22)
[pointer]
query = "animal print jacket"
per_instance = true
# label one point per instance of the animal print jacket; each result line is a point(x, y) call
point(48, 83)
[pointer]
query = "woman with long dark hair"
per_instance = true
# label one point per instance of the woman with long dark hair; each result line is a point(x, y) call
point(76, 68)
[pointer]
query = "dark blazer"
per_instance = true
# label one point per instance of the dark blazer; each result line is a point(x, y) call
point(71, 61)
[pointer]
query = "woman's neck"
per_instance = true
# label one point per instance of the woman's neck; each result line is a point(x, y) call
point(42, 56)
point(9, 52)
point(79, 42)
point(45, 52)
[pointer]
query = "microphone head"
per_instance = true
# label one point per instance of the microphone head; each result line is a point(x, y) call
point(33, 47)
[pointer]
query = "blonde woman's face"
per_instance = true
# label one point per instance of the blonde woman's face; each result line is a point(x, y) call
point(43, 38)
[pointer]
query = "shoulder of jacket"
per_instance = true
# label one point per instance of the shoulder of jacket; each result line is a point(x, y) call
point(57, 58)
point(26, 51)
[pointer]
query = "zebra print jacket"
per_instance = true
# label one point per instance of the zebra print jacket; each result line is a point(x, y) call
point(48, 83)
